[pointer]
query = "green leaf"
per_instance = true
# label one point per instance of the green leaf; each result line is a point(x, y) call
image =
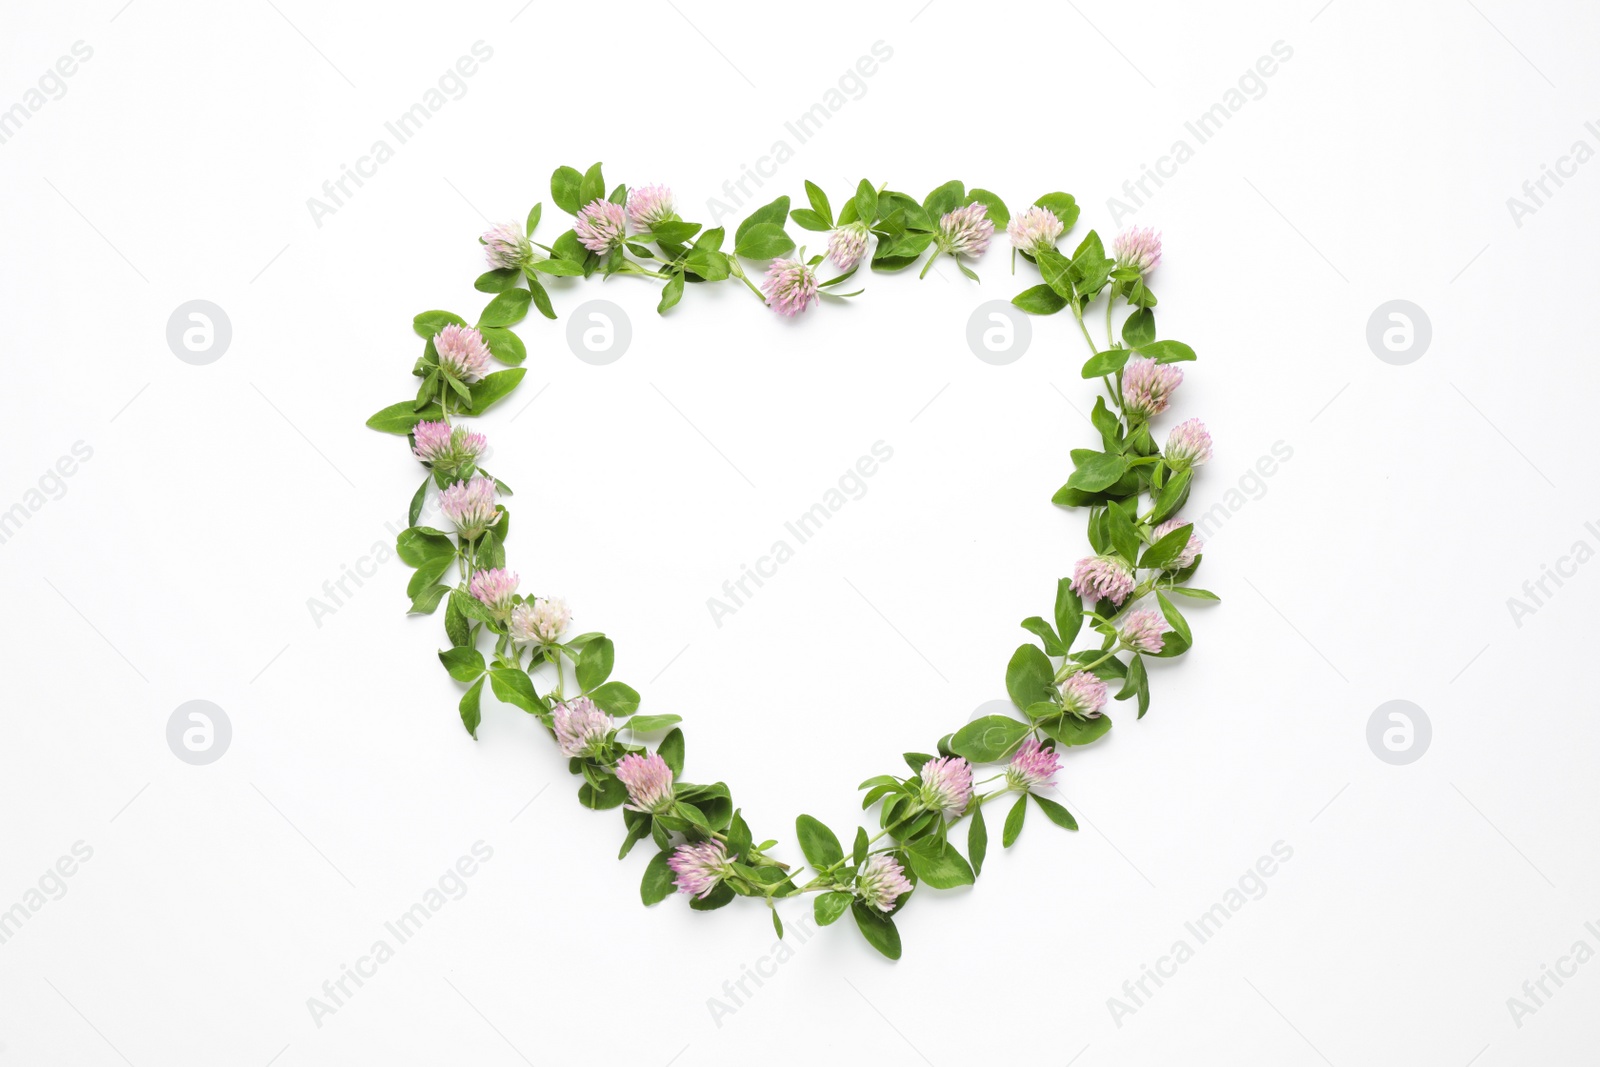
point(764, 240)
point(595, 662)
point(1014, 817)
point(1029, 677)
point(426, 601)
point(534, 214)
point(977, 840)
point(807, 219)
point(671, 293)
point(817, 842)
point(497, 281)
point(563, 268)
point(1180, 625)
point(1070, 730)
point(1167, 549)
point(644, 724)
point(464, 664)
point(1069, 612)
point(938, 864)
point(506, 309)
point(1191, 591)
point(877, 928)
point(400, 418)
point(603, 795)
point(471, 716)
point(829, 906)
point(1167, 351)
point(858, 852)
point(614, 698)
point(866, 202)
point(1056, 813)
point(1173, 496)
point(1064, 206)
point(1046, 633)
point(990, 738)
point(1056, 270)
point(944, 199)
point(658, 880)
point(470, 606)
point(565, 186)
point(504, 345)
point(592, 188)
point(1124, 538)
point(774, 213)
point(997, 212)
point(1139, 329)
point(819, 203)
point(1108, 362)
point(512, 685)
point(428, 323)
point(1095, 470)
point(1135, 679)
point(418, 545)
point(491, 388)
point(456, 626)
point(674, 231)
point(1040, 300)
point(671, 750)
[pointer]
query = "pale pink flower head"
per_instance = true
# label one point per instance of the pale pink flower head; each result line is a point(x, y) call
point(947, 785)
point(1139, 248)
point(966, 230)
point(507, 247)
point(847, 244)
point(495, 588)
point(1190, 551)
point(462, 352)
point(649, 782)
point(1142, 630)
point(1147, 386)
point(1083, 694)
point(600, 226)
point(1188, 445)
point(881, 882)
point(541, 622)
point(791, 286)
point(470, 505)
point(1032, 766)
point(581, 728)
point(649, 205)
point(1102, 578)
point(447, 447)
point(1034, 230)
point(700, 867)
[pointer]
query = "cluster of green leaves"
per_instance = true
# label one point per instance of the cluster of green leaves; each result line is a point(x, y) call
point(1110, 481)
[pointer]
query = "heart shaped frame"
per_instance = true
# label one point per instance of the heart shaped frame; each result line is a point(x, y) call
point(704, 847)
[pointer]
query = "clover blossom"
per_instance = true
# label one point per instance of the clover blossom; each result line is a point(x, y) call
point(881, 882)
point(601, 226)
point(700, 867)
point(648, 780)
point(462, 352)
point(791, 286)
point(1102, 578)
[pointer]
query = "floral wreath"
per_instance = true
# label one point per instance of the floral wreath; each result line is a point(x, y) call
point(704, 848)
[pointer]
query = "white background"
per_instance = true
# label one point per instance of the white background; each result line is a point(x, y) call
point(179, 561)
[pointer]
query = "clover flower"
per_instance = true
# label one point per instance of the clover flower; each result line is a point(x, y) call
point(947, 785)
point(507, 247)
point(1032, 766)
point(1190, 551)
point(649, 782)
point(581, 728)
point(495, 588)
point(1142, 630)
point(1188, 445)
point(1084, 694)
point(966, 230)
point(791, 286)
point(1034, 230)
point(462, 352)
point(446, 446)
point(700, 867)
point(600, 226)
point(1102, 578)
point(1139, 247)
point(541, 622)
point(470, 505)
point(1147, 386)
point(881, 882)
point(649, 205)
point(847, 244)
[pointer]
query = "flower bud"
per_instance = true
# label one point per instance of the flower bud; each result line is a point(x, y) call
point(966, 230)
point(1139, 248)
point(947, 785)
point(847, 244)
point(507, 247)
point(1102, 578)
point(470, 506)
point(1190, 551)
point(700, 867)
point(495, 588)
point(791, 286)
point(1147, 386)
point(541, 622)
point(581, 728)
point(462, 352)
point(881, 882)
point(1032, 766)
point(649, 205)
point(1035, 230)
point(648, 780)
point(1188, 445)
point(1084, 694)
point(600, 226)
point(1142, 630)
